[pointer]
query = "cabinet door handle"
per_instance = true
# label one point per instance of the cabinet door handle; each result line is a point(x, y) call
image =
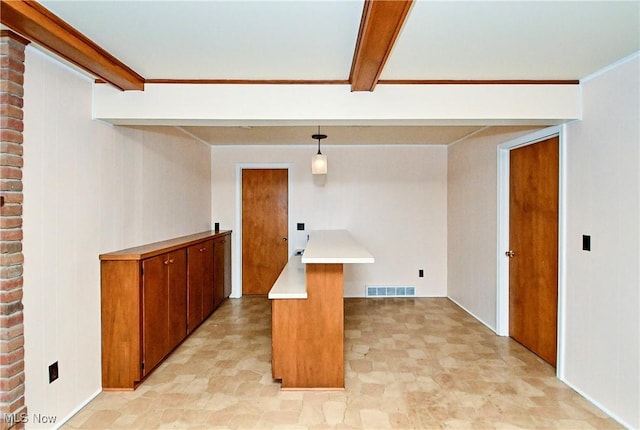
point(171, 260)
point(166, 261)
point(203, 249)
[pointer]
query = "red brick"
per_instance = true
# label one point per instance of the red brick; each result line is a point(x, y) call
point(12, 259)
point(11, 210)
point(8, 310)
point(10, 172)
point(8, 383)
point(10, 221)
point(13, 142)
point(13, 344)
point(14, 369)
point(15, 197)
point(6, 98)
point(11, 124)
point(10, 247)
point(7, 396)
point(8, 272)
point(12, 357)
point(8, 333)
point(11, 111)
point(9, 235)
point(12, 76)
point(11, 295)
point(11, 63)
point(11, 88)
point(11, 160)
point(12, 49)
point(10, 185)
point(11, 284)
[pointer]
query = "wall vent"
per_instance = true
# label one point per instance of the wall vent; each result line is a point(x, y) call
point(390, 291)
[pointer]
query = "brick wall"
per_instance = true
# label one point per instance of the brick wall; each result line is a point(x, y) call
point(12, 403)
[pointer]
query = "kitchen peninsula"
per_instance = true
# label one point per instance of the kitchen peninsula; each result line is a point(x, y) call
point(307, 326)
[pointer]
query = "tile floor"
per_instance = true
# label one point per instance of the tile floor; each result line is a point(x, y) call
point(410, 364)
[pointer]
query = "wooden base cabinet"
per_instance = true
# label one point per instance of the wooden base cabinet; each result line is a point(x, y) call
point(153, 296)
point(164, 306)
point(200, 283)
point(221, 269)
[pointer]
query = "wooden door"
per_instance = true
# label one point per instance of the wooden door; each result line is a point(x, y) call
point(155, 309)
point(264, 228)
point(177, 292)
point(533, 243)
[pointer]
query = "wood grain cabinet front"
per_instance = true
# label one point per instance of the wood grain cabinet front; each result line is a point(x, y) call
point(200, 283)
point(153, 296)
point(164, 306)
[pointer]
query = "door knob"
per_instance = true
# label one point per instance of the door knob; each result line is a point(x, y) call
point(285, 239)
point(510, 254)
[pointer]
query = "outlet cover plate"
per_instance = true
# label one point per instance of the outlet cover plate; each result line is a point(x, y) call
point(53, 372)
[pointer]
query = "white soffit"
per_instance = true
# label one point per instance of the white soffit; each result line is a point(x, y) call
point(337, 135)
point(201, 104)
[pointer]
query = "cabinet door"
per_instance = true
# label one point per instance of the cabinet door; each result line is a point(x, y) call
point(155, 310)
point(177, 292)
point(227, 267)
point(195, 283)
point(207, 279)
point(218, 270)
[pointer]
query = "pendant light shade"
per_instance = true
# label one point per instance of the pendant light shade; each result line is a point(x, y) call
point(319, 161)
point(319, 164)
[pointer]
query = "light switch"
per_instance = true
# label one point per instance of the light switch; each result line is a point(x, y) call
point(586, 242)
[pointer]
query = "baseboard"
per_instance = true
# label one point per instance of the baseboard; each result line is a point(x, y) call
point(77, 409)
point(564, 381)
point(597, 404)
point(474, 315)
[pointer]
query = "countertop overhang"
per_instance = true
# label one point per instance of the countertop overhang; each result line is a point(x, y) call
point(323, 247)
point(334, 246)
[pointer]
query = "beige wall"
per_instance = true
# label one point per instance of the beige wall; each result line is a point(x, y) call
point(472, 227)
point(391, 198)
point(603, 286)
point(90, 188)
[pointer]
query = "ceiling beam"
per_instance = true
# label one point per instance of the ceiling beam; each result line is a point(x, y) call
point(34, 22)
point(379, 27)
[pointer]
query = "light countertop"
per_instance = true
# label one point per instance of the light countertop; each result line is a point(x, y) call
point(334, 246)
point(291, 284)
point(324, 247)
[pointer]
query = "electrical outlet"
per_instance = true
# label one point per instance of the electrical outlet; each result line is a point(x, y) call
point(586, 242)
point(421, 273)
point(53, 372)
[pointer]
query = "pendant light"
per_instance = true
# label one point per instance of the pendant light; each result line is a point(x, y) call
point(319, 161)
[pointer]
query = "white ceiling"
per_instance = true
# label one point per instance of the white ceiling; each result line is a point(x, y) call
point(315, 40)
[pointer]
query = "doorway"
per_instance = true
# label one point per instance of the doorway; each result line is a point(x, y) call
point(265, 213)
point(531, 218)
point(533, 247)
